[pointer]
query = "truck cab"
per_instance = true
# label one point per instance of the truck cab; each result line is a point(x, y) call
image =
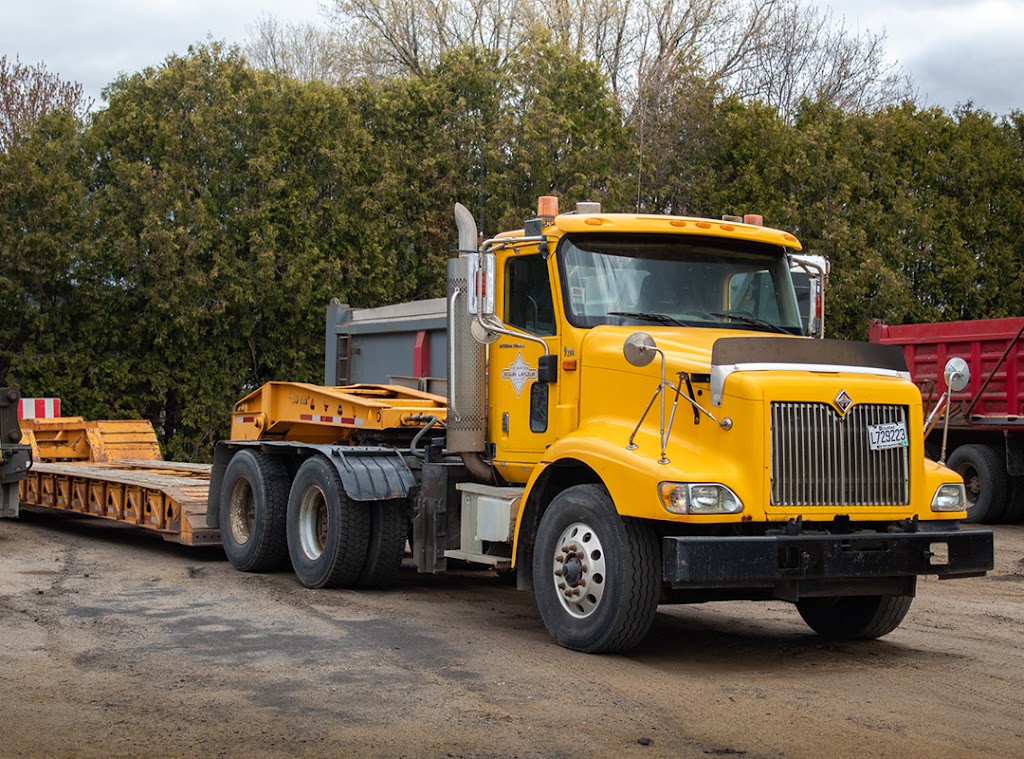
point(654, 372)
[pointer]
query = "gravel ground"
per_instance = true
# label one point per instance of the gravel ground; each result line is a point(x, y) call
point(116, 644)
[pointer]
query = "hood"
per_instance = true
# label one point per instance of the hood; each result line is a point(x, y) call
point(712, 355)
point(688, 349)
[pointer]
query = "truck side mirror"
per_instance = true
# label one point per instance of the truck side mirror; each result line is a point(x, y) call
point(547, 369)
point(639, 349)
point(957, 374)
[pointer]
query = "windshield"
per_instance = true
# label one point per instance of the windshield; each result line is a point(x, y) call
point(676, 279)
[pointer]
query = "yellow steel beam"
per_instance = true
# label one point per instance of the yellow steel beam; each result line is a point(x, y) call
point(319, 414)
point(71, 438)
point(167, 498)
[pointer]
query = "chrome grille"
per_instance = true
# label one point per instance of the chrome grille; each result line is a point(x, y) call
point(822, 459)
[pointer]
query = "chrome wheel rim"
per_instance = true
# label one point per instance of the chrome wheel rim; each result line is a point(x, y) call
point(241, 511)
point(578, 570)
point(314, 522)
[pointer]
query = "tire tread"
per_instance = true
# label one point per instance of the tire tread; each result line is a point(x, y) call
point(388, 533)
point(269, 552)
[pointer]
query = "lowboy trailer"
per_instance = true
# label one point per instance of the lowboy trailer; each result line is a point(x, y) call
point(632, 414)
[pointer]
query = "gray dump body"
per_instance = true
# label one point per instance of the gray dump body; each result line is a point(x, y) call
point(405, 344)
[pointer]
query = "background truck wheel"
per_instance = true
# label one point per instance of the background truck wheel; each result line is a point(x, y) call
point(253, 505)
point(388, 525)
point(985, 478)
point(596, 575)
point(1015, 500)
point(854, 617)
point(328, 535)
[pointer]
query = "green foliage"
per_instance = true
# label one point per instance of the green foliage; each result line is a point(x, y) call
point(44, 235)
point(179, 250)
point(225, 224)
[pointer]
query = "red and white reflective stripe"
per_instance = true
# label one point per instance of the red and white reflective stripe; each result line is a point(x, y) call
point(39, 408)
point(331, 419)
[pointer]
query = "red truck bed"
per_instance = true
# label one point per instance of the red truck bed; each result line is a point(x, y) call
point(983, 344)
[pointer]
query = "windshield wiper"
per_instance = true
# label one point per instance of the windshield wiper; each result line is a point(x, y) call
point(742, 316)
point(663, 318)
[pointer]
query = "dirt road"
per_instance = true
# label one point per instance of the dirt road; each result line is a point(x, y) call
point(115, 644)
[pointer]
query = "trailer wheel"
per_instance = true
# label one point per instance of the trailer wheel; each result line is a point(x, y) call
point(854, 617)
point(596, 574)
point(328, 535)
point(253, 505)
point(985, 479)
point(388, 533)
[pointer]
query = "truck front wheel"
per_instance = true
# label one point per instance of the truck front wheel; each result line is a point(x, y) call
point(596, 574)
point(854, 617)
point(328, 535)
point(253, 502)
point(985, 479)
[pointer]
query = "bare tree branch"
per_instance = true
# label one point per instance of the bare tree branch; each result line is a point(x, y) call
point(29, 92)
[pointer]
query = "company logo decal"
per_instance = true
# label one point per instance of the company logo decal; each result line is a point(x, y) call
point(519, 373)
point(843, 401)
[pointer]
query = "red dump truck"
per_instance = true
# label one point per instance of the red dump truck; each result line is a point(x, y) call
point(982, 436)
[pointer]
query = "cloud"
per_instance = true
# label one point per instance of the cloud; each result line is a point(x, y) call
point(93, 42)
point(955, 50)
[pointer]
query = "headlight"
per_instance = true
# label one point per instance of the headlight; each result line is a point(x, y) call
point(950, 497)
point(699, 498)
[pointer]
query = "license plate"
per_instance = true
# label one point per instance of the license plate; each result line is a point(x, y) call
point(884, 436)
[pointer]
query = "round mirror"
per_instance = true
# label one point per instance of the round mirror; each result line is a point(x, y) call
point(957, 374)
point(481, 334)
point(639, 349)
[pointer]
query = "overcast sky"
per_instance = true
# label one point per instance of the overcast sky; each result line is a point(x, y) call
point(955, 50)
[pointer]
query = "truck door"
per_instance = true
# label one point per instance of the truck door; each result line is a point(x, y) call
point(520, 407)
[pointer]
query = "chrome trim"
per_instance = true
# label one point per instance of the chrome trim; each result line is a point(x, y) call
point(820, 458)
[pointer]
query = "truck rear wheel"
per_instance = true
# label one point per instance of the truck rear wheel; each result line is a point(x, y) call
point(596, 574)
point(854, 617)
point(328, 535)
point(253, 504)
point(388, 526)
point(985, 479)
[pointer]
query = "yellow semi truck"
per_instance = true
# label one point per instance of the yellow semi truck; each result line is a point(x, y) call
point(621, 409)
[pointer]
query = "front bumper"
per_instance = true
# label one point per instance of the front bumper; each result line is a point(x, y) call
point(762, 561)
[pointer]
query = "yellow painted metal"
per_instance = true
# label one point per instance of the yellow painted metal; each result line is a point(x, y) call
point(684, 225)
point(320, 414)
point(165, 497)
point(676, 225)
point(113, 470)
point(71, 438)
point(599, 399)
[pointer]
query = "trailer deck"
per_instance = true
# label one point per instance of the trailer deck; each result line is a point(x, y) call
point(163, 496)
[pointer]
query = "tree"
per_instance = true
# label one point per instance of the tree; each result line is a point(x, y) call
point(27, 93)
point(779, 51)
point(804, 53)
point(44, 236)
point(302, 51)
point(228, 205)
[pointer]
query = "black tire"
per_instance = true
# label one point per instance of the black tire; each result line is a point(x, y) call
point(328, 535)
point(253, 507)
point(985, 479)
point(388, 525)
point(596, 549)
point(854, 617)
